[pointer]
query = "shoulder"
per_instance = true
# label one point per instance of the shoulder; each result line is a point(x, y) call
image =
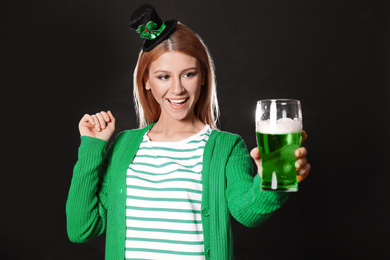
point(223, 146)
point(222, 140)
point(129, 136)
point(223, 137)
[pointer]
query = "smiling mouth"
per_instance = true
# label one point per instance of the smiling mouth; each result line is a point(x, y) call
point(177, 101)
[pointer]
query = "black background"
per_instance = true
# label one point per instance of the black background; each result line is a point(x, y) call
point(62, 59)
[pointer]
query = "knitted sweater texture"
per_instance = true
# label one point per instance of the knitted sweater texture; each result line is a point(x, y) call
point(97, 195)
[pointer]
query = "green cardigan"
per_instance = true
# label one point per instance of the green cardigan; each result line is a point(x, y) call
point(97, 198)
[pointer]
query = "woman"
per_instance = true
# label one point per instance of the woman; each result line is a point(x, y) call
point(165, 191)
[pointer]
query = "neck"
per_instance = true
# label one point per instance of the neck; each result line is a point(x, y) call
point(167, 129)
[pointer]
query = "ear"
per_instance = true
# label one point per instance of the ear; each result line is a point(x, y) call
point(147, 85)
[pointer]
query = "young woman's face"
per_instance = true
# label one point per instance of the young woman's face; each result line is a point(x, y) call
point(175, 81)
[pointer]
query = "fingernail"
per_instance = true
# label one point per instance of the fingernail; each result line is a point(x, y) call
point(301, 171)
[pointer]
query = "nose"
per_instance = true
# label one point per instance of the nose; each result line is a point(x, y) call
point(177, 87)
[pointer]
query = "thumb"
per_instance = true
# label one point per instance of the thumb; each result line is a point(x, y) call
point(255, 154)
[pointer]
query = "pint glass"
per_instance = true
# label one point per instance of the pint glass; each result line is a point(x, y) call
point(278, 131)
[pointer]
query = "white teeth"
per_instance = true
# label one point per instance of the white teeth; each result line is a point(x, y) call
point(177, 101)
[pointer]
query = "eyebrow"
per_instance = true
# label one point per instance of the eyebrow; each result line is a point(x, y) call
point(165, 71)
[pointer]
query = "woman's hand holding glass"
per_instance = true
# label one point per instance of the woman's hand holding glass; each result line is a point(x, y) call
point(302, 166)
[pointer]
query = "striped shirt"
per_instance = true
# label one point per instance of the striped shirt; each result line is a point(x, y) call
point(164, 194)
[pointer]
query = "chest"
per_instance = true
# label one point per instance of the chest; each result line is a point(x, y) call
point(164, 199)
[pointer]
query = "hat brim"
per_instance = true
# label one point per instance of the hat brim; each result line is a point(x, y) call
point(150, 44)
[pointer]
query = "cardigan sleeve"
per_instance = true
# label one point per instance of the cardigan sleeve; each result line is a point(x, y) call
point(247, 203)
point(86, 207)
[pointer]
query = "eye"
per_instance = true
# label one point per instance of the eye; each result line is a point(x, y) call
point(189, 74)
point(163, 77)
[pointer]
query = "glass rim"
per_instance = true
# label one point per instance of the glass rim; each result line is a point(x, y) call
point(279, 100)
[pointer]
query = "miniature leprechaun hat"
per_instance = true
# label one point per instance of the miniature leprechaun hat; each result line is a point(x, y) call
point(148, 24)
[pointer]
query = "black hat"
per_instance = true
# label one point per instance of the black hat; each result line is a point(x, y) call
point(149, 25)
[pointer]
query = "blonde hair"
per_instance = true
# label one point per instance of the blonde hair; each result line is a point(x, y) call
point(186, 41)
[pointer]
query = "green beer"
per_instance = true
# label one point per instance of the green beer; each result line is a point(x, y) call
point(278, 132)
point(278, 160)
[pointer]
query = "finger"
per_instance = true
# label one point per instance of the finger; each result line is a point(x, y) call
point(304, 135)
point(111, 124)
point(105, 116)
point(97, 124)
point(304, 172)
point(87, 118)
point(305, 169)
point(300, 152)
point(300, 163)
point(102, 122)
point(112, 118)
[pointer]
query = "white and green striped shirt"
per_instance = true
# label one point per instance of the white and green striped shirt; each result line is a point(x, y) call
point(164, 194)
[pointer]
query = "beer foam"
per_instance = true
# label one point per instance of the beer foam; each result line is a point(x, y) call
point(281, 126)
